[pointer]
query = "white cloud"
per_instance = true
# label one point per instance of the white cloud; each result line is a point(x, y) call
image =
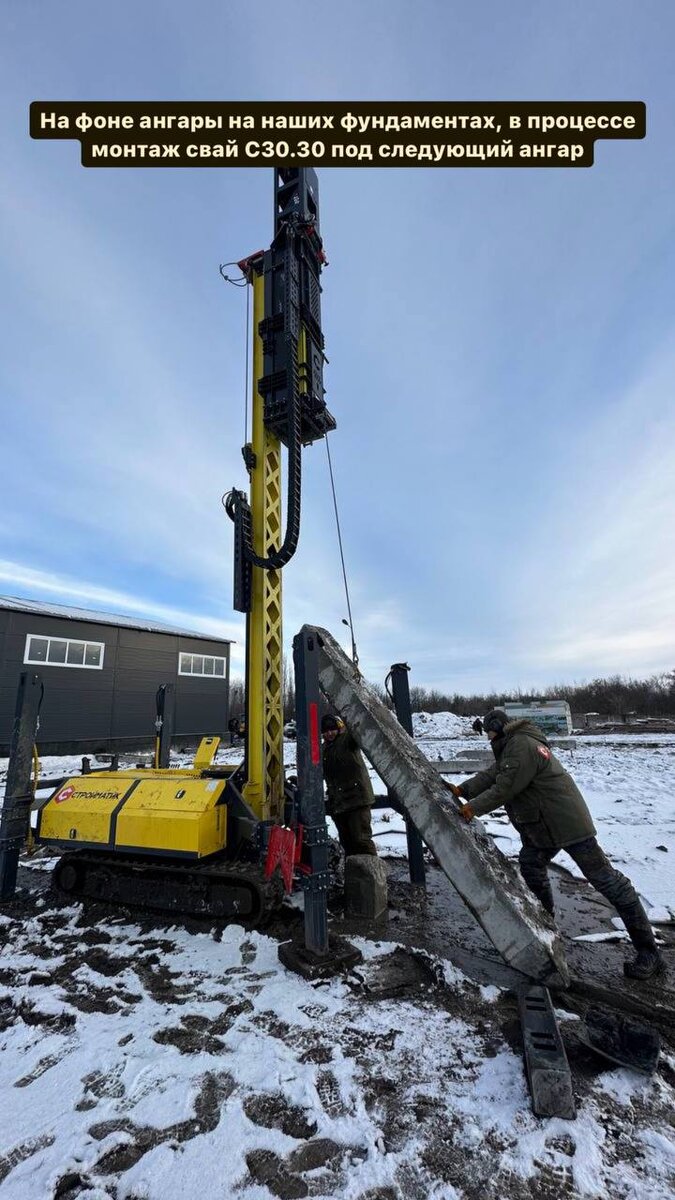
point(599, 589)
point(144, 451)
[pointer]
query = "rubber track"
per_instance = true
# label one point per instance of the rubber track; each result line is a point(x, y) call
point(218, 889)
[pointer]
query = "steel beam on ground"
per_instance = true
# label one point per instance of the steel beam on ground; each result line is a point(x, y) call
point(548, 1071)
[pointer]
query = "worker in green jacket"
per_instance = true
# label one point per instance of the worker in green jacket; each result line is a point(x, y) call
point(350, 792)
point(545, 805)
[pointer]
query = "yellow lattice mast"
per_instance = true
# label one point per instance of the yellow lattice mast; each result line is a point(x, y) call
point(264, 643)
point(288, 409)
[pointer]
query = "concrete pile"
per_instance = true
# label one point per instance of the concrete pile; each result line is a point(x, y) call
point(489, 884)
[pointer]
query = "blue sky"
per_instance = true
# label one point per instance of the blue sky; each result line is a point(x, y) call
point(501, 342)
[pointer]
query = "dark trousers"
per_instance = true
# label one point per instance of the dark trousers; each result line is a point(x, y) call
point(355, 831)
point(593, 863)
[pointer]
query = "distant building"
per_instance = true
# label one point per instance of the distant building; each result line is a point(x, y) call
point(552, 716)
point(101, 673)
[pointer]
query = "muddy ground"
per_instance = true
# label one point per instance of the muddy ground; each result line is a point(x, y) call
point(435, 1109)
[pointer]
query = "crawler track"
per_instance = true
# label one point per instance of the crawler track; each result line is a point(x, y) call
point(217, 888)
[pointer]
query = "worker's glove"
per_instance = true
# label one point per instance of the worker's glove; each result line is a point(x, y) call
point(467, 812)
point(452, 787)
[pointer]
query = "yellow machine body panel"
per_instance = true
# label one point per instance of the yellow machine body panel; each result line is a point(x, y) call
point(206, 752)
point(81, 810)
point(145, 812)
point(174, 816)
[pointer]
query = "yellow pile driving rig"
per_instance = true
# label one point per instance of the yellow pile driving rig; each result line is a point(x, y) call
point(201, 840)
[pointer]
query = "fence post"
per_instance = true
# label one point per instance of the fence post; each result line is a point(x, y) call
point(16, 806)
point(401, 697)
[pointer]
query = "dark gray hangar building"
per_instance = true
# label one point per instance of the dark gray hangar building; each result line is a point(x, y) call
point(101, 673)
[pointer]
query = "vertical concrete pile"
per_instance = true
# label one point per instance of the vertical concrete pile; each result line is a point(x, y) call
point(489, 884)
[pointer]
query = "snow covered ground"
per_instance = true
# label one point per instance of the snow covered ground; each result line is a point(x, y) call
point(141, 1062)
point(628, 782)
point(146, 1064)
point(440, 726)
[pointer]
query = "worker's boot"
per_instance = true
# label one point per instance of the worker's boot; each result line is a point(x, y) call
point(648, 961)
point(544, 894)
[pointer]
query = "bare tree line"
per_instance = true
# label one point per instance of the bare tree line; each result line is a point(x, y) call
point(615, 695)
point(237, 705)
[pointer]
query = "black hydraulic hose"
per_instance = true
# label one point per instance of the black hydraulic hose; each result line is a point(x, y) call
point(234, 501)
